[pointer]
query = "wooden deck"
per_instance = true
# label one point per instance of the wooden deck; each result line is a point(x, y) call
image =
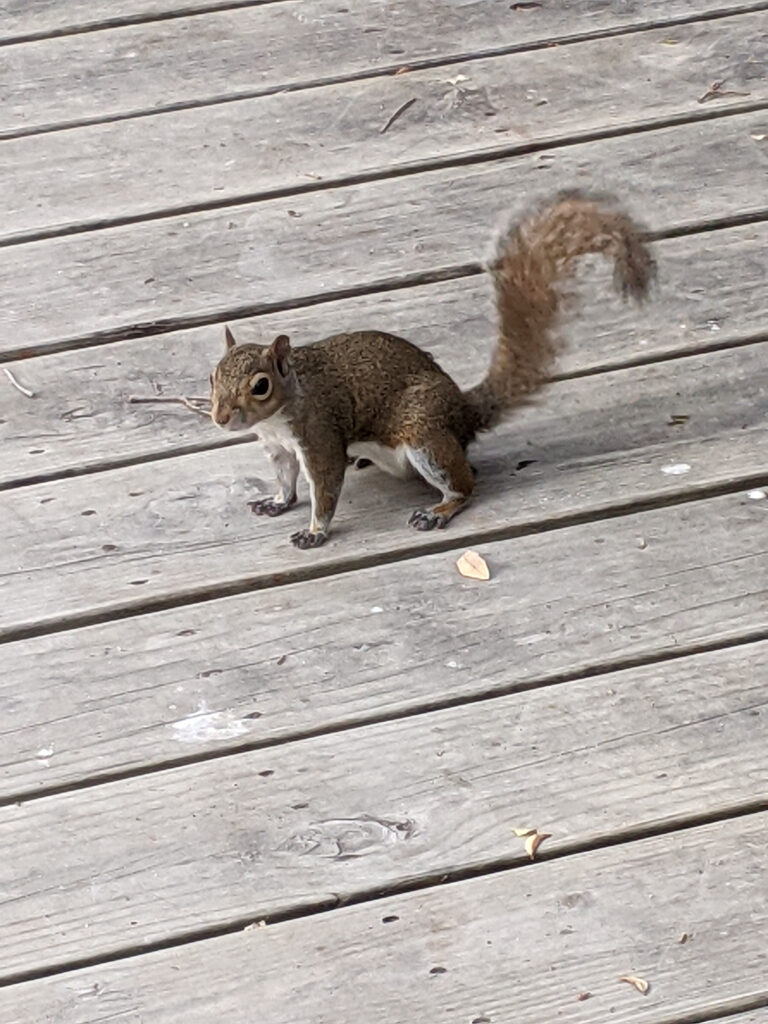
point(246, 784)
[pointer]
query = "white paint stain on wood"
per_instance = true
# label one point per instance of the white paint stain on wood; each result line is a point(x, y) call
point(204, 725)
point(676, 469)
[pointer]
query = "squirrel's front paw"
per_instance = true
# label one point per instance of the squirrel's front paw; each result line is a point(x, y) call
point(426, 519)
point(269, 507)
point(306, 539)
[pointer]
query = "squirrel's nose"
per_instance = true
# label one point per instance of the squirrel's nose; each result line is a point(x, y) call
point(221, 416)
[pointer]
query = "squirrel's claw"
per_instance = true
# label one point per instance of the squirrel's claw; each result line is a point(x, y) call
point(426, 519)
point(306, 539)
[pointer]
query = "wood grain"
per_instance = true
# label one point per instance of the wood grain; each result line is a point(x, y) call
point(294, 140)
point(174, 775)
point(193, 855)
point(210, 264)
point(32, 19)
point(172, 977)
point(482, 951)
point(79, 418)
point(121, 538)
point(381, 642)
point(121, 71)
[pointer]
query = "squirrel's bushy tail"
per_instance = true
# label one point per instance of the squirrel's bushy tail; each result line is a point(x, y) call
point(533, 257)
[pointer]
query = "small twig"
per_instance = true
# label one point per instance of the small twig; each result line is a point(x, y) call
point(188, 403)
point(400, 110)
point(19, 387)
point(716, 90)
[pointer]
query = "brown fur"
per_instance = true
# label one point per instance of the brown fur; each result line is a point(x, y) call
point(369, 386)
point(533, 259)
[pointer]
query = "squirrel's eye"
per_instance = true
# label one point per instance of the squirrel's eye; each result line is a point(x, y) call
point(261, 386)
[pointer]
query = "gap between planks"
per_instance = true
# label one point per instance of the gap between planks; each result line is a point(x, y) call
point(162, 455)
point(451, 319)
point(439, 126)
point(209, 656)
point(591, 453)
point(240, 970)
point(146, 18)
point(418, 64)
point(163, 325)
point(451, 204)
point(138, 459)
point(439, 163)
point(603, 667)
point(734, 1011)
point(493, 765)
point(733, 792)
point(428, 882)
point(201, 595)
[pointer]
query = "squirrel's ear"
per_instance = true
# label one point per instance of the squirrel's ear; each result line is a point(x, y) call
point(280, 350)
point(229, 338)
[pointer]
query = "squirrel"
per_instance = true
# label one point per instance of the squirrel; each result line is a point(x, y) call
point(376, 397)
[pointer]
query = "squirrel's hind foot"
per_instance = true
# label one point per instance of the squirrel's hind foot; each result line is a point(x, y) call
point(442, 463)
point(427, 519)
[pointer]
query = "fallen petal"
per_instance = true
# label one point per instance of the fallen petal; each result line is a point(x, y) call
point(473, 566)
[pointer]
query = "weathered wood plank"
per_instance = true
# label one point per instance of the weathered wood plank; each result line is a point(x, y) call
point(131, 168)
point(312, 824)
point(516, 949)
point(31, 19)
point(145, 533)
point(235, 970)
point(269, 666)
point(273, 46)
point(180, 270)
point(79, 418)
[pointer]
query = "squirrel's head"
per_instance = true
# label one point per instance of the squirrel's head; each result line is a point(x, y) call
point(251, 382)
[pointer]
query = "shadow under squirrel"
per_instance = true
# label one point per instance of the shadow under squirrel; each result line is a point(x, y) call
point(371, 395)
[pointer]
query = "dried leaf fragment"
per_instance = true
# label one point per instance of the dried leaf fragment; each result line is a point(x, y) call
point(473, 566)
point(640, 984)
point(523, 833)
point(532, 843)
point(684, 938)
point(582, 996)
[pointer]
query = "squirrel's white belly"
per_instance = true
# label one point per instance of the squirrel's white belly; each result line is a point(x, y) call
point(276, 432)
point(391, 460)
